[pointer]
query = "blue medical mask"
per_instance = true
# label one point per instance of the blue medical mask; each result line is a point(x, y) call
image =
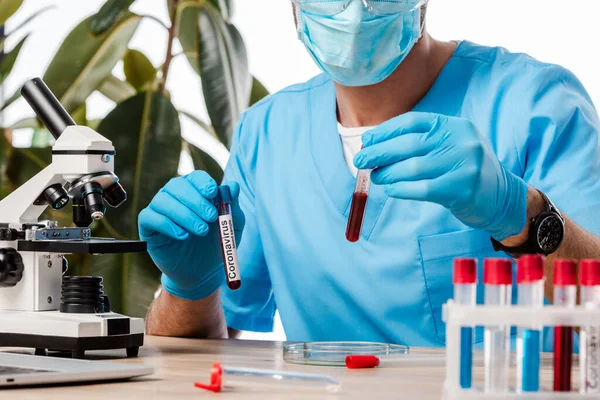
point(359, 42)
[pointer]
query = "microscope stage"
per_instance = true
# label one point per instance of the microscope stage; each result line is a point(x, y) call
point(87, 246)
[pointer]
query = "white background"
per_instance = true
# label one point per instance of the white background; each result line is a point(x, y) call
point(556, 31)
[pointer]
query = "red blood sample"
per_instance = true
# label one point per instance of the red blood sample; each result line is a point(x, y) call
point(357, 213)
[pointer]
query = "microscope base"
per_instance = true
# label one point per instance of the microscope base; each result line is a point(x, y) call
point(74, 333)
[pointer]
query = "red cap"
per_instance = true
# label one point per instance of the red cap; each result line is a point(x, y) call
point(216, 377)
point(589, 271)
point(361, 361)
point(565, 272)
point(465, 270)
point(530, 268)
point(497, 271)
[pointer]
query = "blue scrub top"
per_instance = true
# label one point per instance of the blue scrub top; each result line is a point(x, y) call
point(390, 286)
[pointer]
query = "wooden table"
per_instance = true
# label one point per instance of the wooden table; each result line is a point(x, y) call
point(181, 362)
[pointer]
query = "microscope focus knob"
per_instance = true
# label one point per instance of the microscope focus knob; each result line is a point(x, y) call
point(11, 267)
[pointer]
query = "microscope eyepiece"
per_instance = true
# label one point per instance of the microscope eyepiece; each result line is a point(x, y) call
point(47, 107)
point(55, 196)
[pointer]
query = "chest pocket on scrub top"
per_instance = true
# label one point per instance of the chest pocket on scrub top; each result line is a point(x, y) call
point(437, 255)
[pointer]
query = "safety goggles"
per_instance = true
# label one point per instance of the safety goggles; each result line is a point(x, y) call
point(380, 7)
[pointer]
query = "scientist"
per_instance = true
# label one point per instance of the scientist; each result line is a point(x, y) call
point(470, 146)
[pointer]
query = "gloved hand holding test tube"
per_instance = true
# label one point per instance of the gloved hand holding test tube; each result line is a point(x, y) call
point(182, 226)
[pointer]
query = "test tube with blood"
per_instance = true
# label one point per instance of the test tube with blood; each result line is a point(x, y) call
point(227, 234)
point(359, 204)
point(565, 295)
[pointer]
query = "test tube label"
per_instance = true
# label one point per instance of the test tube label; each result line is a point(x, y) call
point(229, 248)
point(593, 359)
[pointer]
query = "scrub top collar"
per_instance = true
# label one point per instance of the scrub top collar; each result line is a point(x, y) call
point(328, 155)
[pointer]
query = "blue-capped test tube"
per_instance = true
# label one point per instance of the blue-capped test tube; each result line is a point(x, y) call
point(497, 276)
point(227, 234)
point(530, 278)
point(465, 293)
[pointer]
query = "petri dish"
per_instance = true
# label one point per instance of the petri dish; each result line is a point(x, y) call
point(334, 353)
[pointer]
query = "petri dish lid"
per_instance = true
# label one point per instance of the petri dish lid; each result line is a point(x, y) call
point(334, 353)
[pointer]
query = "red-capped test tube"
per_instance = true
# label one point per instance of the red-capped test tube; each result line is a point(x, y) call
point(565, 295)
point(589, 345)
point(227, 233)
point(226, 378)
point(359, 205)
point(530, 280)
point(497, 276)
point(465, 293)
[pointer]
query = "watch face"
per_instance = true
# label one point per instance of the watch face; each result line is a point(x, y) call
point(550, 234)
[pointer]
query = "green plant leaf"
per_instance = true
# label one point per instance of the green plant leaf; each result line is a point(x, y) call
point(140, 280)
point(83, 62)
point(202, 161)
point(139, 71)
point(225, 6)
point(80, 115)
point(226, 81)
point(188, 32)
point(146, 134)
point(8, 62)
point(108, 15)
point(23, 164)
point(8, 8)
point(5, 150)
point(258, 93)
point(116, 90)
point(94, 124)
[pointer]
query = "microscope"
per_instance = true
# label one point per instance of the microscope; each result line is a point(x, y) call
point(39, 307)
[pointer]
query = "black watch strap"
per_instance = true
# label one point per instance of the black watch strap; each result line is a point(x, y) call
point(531, 246)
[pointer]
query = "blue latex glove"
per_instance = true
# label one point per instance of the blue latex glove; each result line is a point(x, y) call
point(183, 238)
point(445, 160)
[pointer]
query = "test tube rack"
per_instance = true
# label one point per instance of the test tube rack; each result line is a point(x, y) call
point(456, 316)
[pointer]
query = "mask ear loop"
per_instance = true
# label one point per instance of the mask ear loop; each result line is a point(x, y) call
point(299, 21)
point(419, 21)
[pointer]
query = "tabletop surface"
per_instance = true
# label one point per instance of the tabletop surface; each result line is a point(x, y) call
point(178, 363)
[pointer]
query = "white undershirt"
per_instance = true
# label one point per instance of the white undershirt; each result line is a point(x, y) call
point(351, 144)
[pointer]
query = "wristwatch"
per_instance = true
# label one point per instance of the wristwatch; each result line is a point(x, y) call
point(546, 233)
